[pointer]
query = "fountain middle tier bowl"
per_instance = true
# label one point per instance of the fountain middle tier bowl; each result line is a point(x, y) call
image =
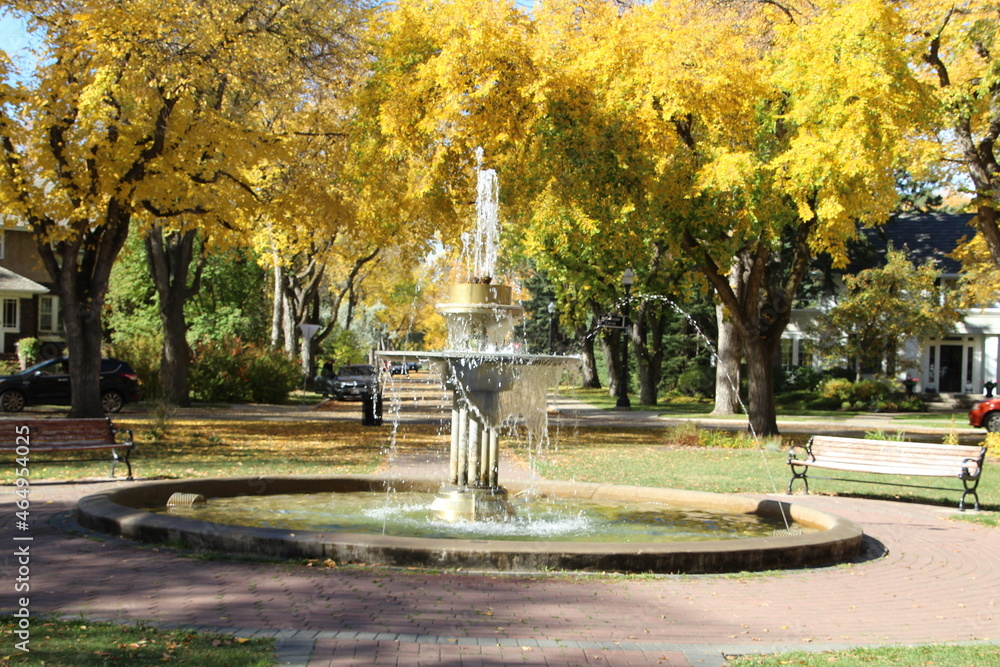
point(489, 371)
point(828, 538)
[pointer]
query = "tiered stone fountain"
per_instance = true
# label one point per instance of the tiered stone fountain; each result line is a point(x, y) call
point(490, 381)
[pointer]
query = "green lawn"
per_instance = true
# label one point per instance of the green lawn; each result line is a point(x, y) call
point(81, 643)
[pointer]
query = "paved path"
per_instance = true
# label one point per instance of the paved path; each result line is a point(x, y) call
point(937, 582)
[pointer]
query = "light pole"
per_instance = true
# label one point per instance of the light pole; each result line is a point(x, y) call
point(552, 322)
point(628, 279)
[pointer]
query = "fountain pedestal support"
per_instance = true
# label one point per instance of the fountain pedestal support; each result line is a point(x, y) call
point(473, 491)
point(488, 385)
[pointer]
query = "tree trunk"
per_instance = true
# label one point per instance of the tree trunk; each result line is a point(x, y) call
point(727, 367)
point(759, 309)
point(170, 256)
point(277, 305)
point(84, 333)
point(590, 377)
point(647, 341)
point(81, 269)
point(611, 346)
point(288, 324)
point(759, 353)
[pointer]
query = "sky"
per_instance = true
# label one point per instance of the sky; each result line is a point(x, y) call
point(15, 40)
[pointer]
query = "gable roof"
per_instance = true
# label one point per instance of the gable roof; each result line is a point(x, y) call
point(925, 234)
point(14, 282)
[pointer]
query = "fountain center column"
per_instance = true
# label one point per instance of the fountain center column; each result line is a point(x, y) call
point(480, 318)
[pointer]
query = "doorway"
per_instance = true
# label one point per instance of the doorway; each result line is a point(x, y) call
point(950, 369)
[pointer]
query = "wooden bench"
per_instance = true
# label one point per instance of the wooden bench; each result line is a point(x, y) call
point(888, 457)
point(69, 435)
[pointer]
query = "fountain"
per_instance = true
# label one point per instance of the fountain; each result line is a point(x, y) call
point(489, 381)
point(491, 384)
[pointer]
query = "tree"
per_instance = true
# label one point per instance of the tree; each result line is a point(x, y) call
point(955, 45)
point(883, 308)
point(665, 135)
point(138, 114)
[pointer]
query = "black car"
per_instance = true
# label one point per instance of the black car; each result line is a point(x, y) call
point(48, 383)
point(354, 381)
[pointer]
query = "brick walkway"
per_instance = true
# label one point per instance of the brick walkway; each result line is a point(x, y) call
point(937, 582)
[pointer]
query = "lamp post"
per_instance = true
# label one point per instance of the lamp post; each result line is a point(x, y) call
point(552, 322)
point(628, 279)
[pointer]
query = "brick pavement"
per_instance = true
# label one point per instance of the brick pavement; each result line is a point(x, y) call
point(937, 582)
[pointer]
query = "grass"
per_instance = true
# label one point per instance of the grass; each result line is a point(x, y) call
point(693, 407)
point(212, 448)
point(677, 457)
point(931, 655)
point(81, 643)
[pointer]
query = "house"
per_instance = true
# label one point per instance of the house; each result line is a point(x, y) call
point(958, 363)
point(29, 307)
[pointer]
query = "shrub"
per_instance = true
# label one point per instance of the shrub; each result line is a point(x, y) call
point(696, 381)
point(238, 371)
point(272, 375)
point(836, 388)
point(801, 378)
point(29, 351)
point(144, 354)
point(992, 443)
point(876, 395)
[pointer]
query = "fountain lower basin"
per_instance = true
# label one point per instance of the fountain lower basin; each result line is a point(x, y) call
point(119, 512)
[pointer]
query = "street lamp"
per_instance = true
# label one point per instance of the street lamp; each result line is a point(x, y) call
point(552, 322)
point(628, 279)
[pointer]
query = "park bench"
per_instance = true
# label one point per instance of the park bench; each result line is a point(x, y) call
point(69, 435)
point(889, 457)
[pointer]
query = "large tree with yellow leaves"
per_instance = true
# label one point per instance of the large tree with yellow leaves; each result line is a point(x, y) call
point(739, 134)
point(143, 113)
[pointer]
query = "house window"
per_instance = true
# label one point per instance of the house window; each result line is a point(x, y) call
point(3, 244)
point(806, 350)
point(49, 315)
point(787, 353)
point(11, 311)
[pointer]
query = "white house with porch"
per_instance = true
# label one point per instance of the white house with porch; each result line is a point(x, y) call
point(958, 363)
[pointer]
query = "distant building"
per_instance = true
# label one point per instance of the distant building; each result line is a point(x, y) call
point(958, 363)
point(29, 307)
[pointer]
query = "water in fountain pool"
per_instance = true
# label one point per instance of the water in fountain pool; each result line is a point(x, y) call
point(405, 514)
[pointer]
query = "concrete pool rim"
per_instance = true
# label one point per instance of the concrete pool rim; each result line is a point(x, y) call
point(118, 512)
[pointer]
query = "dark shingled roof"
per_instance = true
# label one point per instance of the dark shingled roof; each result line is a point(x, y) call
point(927, 235)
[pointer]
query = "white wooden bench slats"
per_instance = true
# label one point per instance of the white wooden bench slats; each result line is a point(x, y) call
point(889, 457)
point(66, 435)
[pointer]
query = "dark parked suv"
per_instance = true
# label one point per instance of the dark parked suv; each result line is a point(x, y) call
point(48, 383)
point(354, 381)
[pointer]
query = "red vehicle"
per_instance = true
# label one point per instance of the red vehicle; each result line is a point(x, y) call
point(986, 414)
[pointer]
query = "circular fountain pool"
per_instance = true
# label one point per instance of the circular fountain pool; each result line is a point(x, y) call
point(818, 538)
